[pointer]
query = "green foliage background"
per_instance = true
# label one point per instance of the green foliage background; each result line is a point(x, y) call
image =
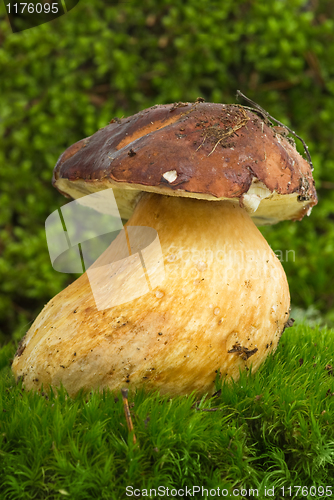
point(63, 80)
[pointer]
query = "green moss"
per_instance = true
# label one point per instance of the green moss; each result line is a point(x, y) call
point(270, 429)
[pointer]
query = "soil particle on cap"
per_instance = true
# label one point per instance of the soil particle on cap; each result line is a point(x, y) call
point(284, 132)
point(278, 129)
point(178, 105)
point(115, 120)
point(221, 132)
point(131, 153)
point(304, 187)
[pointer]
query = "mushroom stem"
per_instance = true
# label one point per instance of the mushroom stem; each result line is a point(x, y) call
point(222, 306)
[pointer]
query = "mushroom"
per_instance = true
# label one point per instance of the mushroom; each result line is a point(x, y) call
point(203, 176)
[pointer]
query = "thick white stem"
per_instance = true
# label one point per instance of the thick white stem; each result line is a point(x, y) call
point(222, 306)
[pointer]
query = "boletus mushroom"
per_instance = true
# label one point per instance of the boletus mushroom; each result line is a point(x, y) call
point(203, 176)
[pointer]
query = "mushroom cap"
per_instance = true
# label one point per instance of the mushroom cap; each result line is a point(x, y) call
point(199, 150)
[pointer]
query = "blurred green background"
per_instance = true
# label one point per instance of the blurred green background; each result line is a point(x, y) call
point(61, 81)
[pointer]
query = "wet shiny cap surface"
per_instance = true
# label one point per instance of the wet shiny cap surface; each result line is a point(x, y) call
point(201, 150)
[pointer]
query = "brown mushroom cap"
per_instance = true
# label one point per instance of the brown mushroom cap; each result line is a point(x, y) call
point(199, 150)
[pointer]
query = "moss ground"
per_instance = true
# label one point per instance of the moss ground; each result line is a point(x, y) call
point(271, 429)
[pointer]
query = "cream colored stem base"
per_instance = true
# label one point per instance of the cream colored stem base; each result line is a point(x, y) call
point(222, 306)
